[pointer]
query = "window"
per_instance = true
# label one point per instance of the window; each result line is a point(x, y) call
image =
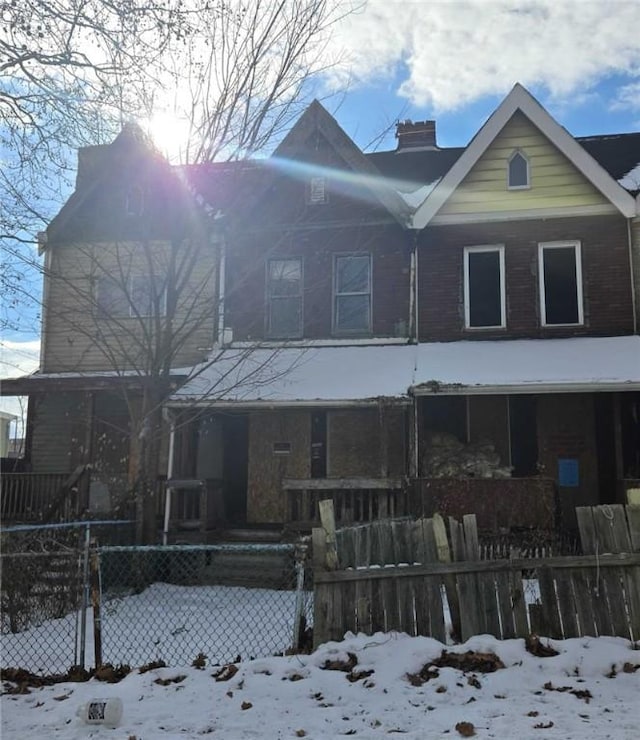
point(317, 191)
point(484, 289)
point(284, 292)
point(134, 201)
point(137, 296)
point(352, 294)
point(560, 273)
point(518, 171)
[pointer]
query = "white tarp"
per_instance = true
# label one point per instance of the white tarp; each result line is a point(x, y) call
point(339, 374)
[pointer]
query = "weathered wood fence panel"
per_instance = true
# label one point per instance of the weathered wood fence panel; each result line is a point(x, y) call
point(393, 575)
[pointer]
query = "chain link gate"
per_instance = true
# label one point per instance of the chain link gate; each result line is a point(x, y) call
point(67, 603)
point(221, 602)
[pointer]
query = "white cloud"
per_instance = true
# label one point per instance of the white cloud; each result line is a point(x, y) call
point(628, 97)
point(17, 358)
point(456, 52)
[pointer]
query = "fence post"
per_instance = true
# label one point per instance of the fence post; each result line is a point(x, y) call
point(96, 596)
point(300, 555)
point(328, 520)
point(85, 595)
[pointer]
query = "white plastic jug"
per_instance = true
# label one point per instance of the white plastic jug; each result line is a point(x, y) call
point(106, 712)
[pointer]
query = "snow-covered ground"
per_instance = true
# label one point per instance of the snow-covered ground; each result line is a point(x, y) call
point(589, 690)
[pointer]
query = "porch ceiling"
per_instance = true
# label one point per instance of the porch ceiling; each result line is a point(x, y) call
point(345, 375)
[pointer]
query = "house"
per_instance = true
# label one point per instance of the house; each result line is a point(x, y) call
point(425, 328)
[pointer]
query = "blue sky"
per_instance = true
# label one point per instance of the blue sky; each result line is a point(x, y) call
point(454, 62)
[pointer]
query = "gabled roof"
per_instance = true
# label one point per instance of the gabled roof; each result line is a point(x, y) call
point(317, 119)
point(520, 99)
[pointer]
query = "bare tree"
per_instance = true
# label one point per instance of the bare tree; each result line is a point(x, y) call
point(240, 73)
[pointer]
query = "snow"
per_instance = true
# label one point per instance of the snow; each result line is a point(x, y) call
point(416, 198)
point(289, 697)
point(361, 373)
point(631, 181)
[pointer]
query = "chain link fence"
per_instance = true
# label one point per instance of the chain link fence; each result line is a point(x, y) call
point(68, 602)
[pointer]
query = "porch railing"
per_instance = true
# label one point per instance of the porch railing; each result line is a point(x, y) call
point(28, 497)
point(500, 504)
point(354, 499)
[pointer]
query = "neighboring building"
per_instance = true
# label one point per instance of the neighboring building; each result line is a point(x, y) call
point(421, 329)
point(6, 419)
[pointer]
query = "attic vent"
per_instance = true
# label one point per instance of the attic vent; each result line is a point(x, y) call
point(417, 136)
point(316, 191)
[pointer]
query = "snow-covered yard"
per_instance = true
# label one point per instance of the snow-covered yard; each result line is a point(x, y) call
point(363, 686)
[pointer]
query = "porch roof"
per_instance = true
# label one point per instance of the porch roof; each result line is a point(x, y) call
point(345, 375)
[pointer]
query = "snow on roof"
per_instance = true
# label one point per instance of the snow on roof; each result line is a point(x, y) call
point(631, 181)
point(415, 197)
point(338, 375)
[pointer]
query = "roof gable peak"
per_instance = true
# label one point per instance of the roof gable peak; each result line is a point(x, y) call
point(520, 99)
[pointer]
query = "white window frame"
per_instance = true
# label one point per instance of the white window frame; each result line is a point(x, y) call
point(335, 295)
point(503, 294)
point(127, 293)
point(270, 298)
point(317, 191)
point(133, 310)
point(577, 247)
point(527, 185)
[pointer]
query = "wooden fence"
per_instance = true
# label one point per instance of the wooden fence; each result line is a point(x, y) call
point(402, 575)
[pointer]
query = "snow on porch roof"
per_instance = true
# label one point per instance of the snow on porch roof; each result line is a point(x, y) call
point(358, 374)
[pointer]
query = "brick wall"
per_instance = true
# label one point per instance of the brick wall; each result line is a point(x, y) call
point(607, 292)
point(246, 277)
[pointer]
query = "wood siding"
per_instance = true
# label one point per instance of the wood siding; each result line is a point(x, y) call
point(554, 181)
point(77, 339)
point(606, 278)
point(59, 431)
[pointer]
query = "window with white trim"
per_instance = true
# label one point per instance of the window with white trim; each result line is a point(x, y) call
point(484, 287)
point(352, 294)
point(317, 191)
point(518, 175)
point(560, 277)
point(284, 298)
point(139, 296)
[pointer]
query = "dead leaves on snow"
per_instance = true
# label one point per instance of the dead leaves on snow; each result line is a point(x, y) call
point(469, 662)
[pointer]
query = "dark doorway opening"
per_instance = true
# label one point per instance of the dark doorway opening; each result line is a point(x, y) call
point(235, 467)
point(606, 447)
point(523, 427)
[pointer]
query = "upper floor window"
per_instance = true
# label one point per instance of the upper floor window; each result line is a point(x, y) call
point(518, 175)
point(284, 298)
point(137, 296)
point(134, 201)
point(560, 275)
point(484, 287)
point(352, 294)
point(317, 191)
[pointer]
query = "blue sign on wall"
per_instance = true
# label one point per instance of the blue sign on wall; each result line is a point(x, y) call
point(568, 472)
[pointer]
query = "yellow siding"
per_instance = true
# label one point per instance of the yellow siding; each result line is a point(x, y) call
point(77, 339)
point(555, 182)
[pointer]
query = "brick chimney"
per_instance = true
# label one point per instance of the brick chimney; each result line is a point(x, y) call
point(418, 136)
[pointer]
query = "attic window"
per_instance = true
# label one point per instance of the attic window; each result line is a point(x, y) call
point(316, 191)
point(518, 172)
point(134, 201)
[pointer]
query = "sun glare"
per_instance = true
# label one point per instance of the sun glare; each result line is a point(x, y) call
point(169, 133)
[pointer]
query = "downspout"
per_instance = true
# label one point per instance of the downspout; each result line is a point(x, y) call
point(221, 290)
point(412, 293)
point(634, 266)
point(167, 498)
point(417, 291)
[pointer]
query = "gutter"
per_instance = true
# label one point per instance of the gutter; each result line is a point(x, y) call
point(455, 389)
point(274, 405)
